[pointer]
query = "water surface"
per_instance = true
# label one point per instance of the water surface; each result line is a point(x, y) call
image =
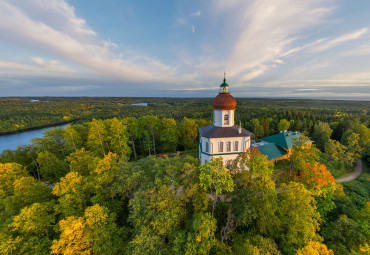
point(10, 142)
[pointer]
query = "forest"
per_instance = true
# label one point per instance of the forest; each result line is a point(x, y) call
point(126, 179)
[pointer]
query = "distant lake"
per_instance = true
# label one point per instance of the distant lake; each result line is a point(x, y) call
point(141, 104)
point(10, 142)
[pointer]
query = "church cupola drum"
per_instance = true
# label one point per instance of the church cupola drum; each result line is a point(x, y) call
point(223, 139)
point(223, 107)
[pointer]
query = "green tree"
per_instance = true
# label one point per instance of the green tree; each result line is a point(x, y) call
point(51, 168)
point(257, 128)
point(72, 139)
point(265, 125)
point(26, 191)
point(215, 178)
point(118, 138)
point(133, 131)
point(321, 134)
point(303, 151)
point(199, 237)
point(97, 138)
point(343, 235)
point(283, 125)
point(52, 141)
point(336, 150)
point(169, 135)
point(352, 141)
point(82, 161)
point(188, 129)
point(155, 215)
point(74, 192)
point(299, 220)
point(254, 200)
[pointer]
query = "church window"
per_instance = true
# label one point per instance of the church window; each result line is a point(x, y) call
point(207, 147)
point(236, 146)
point(226, 119)
point(228, 146)
point(221, 147)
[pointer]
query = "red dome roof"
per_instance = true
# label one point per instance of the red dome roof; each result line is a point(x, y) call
point(224, 101)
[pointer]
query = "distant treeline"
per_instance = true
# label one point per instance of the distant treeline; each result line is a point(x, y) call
point(21, 113)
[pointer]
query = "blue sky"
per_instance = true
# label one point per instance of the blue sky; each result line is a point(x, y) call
point(268, 48)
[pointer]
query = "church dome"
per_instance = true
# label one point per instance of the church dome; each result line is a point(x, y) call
point(224, 101)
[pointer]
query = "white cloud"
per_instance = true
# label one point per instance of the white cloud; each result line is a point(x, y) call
point(195, 14)
point(262, 32)
point(181, 21)
point(341, 39)
point(70, 38)
point(193, 28)
point(38, 60)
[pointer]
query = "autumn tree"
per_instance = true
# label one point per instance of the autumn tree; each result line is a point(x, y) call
point(318, 179)
point(30, 231)
point(315, 248)
point(94, 233)
point(74, 193)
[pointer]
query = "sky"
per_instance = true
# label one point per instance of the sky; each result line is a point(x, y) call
point(268, 48)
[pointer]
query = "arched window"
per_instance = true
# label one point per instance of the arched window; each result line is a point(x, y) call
point(228, 146)
point(236, 146)
point(207, 147)
point(226, 119)
point(221, 147)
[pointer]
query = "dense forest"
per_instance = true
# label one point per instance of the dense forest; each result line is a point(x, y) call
point(21, 113)
point(107, 186)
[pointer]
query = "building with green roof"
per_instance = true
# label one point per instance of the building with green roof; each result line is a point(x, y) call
point(278, 146)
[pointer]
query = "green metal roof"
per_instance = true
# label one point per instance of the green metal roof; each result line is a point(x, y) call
point(284, 139)
point(272, 151)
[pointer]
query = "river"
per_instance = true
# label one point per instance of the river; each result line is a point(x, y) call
point(10, 142)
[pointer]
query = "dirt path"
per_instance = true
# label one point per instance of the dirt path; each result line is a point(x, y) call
point(354, 175)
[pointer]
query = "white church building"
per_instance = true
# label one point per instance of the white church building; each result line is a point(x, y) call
point(223, 139)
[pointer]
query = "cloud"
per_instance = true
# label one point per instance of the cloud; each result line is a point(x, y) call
point(193, 28)
point(263, 32)
point(43, 67)
point(195, 14)
point(341, 39)
point(70, 38)
point(181, 21)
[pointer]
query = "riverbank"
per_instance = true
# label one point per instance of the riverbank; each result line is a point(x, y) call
point(38, 127)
